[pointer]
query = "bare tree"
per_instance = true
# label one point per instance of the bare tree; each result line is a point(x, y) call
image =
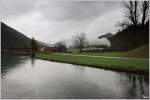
point(80, 41)
point(132, 11)
point(34, 45)
point(123, 24)
point(61, 45)
point(145, 11)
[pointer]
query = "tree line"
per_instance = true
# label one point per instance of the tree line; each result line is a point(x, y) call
point(134, 30)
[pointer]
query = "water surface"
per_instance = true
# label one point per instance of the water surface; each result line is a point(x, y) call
point(26, 78)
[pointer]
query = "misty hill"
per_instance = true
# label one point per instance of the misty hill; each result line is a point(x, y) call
point(107, 35)
point(11, 38)
point(43, 44)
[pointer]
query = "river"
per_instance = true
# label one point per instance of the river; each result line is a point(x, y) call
point(27, 78)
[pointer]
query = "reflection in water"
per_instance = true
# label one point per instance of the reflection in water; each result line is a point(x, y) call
point(32, 59)
point(29, 78)
point(138, 83)
point(9, 62)
point(141, 88)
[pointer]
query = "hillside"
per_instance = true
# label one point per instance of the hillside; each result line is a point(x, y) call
point(11, 38)
point(130, 38)
point(140, 52)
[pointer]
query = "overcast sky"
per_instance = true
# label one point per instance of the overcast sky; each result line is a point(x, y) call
point(51, 21)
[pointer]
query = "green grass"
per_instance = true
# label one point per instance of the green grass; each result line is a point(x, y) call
point(108, 54)
point(140, 52)
point(127, 65)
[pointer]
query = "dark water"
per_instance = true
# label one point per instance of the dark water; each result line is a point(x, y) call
point(23, 77)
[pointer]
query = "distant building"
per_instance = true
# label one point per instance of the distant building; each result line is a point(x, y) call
point(92, 49)
point(53, 49)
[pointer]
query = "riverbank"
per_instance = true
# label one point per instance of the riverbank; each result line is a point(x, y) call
point(138, 66)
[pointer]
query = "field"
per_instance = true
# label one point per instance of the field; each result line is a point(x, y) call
point(139, 66)
point(108, 54)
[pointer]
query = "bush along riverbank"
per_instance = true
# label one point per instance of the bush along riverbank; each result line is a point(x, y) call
point(138, 66)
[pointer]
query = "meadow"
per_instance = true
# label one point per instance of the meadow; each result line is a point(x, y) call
point(140, 66)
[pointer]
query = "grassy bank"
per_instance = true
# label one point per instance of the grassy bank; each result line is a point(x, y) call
point(127, 65)
point(140, 52)
point(108, 54)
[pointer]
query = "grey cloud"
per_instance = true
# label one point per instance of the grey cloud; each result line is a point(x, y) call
point(76, 10)
point(12, 8)
point(57, 10)
point(51, 21)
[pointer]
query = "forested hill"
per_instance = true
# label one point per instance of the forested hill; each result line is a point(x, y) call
point(130, 38)
point(11, 38)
